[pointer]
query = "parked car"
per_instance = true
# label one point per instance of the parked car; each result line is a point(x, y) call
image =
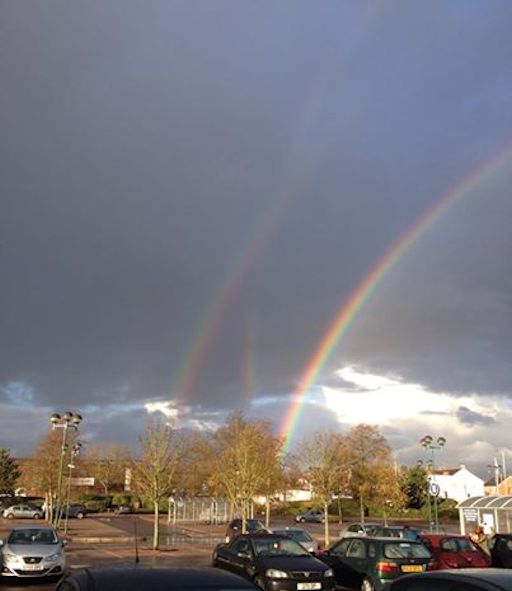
point(358, 529)
point(311, 516)
point(303, 537)
point(251, 526)
point(473, 579)
point(454, 551)
point(396, 531)
point(74, 510)
point(501, 550)
point(274, 563)
point(368, 563)
point(23, 511)
point(32, 552)
point(143, 578)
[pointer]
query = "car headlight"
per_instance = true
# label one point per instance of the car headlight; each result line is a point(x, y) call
point(329, 573)
point(10, 557)
point(273, 573)
point(53, 557)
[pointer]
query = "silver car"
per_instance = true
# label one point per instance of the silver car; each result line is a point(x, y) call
point(23, 511)
point(32, 552)
point(303, 537)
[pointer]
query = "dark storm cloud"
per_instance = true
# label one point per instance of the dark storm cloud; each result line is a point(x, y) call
point(469, 417)
point(144, 147)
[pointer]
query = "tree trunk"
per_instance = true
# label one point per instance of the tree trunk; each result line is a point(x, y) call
point(340, 510)
point(326, 524)
point(361, 507)
point(267, 512)
point(156, 526)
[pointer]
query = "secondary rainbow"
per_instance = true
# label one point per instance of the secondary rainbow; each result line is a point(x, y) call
point(350, 309)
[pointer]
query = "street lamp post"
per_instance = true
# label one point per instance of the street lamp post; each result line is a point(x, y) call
point(68, 420)
point(75, 450)
point(428, 443)
point(429, 499)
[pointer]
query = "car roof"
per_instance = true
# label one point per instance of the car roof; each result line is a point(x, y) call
point(443, 536)
point(289, 529)
point(138, 578)
point(34, 526)
point(497, 576)
point(382, 539)
point(259, 535)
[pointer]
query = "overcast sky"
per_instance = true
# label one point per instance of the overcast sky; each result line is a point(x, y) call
point(191, 191)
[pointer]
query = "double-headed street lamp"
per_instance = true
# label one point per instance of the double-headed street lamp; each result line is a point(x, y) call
point(433, 488)
point(66, 421)
point(75, 450)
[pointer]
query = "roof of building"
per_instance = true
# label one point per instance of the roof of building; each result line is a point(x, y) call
point(494, 501)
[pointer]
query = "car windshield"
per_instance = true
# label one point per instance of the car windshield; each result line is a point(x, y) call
point(278, 547)
point(405, 550)
point(253, 525)
point(457, 545)
point(299, 535)
point(32, 536)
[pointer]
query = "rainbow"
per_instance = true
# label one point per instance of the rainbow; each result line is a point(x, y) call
point(297, 169)
point(211, 320)
point(364, 290)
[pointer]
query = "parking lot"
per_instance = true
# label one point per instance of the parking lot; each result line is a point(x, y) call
point(110, 540)
point(105, 539)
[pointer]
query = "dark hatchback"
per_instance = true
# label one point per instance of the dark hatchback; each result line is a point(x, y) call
point(274, 563)
point(251, 526)
point(368, 563)
point(140, 578)
point(501, 550)
point(473, 579)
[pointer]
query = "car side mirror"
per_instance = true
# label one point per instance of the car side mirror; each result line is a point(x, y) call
point(1, 543)
point(64, 542)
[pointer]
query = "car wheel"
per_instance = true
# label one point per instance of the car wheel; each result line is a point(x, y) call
point(10, 516)
point(302, 520)
point(80, 515)
point(367, 585)
point(258, 581)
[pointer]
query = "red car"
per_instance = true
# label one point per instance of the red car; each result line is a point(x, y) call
point(452, 551)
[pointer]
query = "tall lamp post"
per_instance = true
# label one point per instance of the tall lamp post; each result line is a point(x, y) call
point(428, 442)
point(429, 499)
point(75, 450)
point(66, 421)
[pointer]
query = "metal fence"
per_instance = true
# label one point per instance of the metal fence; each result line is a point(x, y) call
point(204, 510)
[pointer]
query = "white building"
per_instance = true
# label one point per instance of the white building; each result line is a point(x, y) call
point(457, 483)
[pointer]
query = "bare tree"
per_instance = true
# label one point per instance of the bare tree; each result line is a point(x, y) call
point(367, 451)
point(388, 493)
point(44, 471)
point(272, 467)
point(154, 469)
point(324, 461)
point(243, 453)
point(108, 463)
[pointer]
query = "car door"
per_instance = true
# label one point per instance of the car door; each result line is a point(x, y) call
point(240, 557)
point(356, 560)
point(17, 511)
point(336, 558)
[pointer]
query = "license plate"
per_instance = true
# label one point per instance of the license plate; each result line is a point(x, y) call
point(32, 567)
point(412, 568)
point(308, 586)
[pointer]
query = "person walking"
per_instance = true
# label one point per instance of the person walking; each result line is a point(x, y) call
point(481, 539)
